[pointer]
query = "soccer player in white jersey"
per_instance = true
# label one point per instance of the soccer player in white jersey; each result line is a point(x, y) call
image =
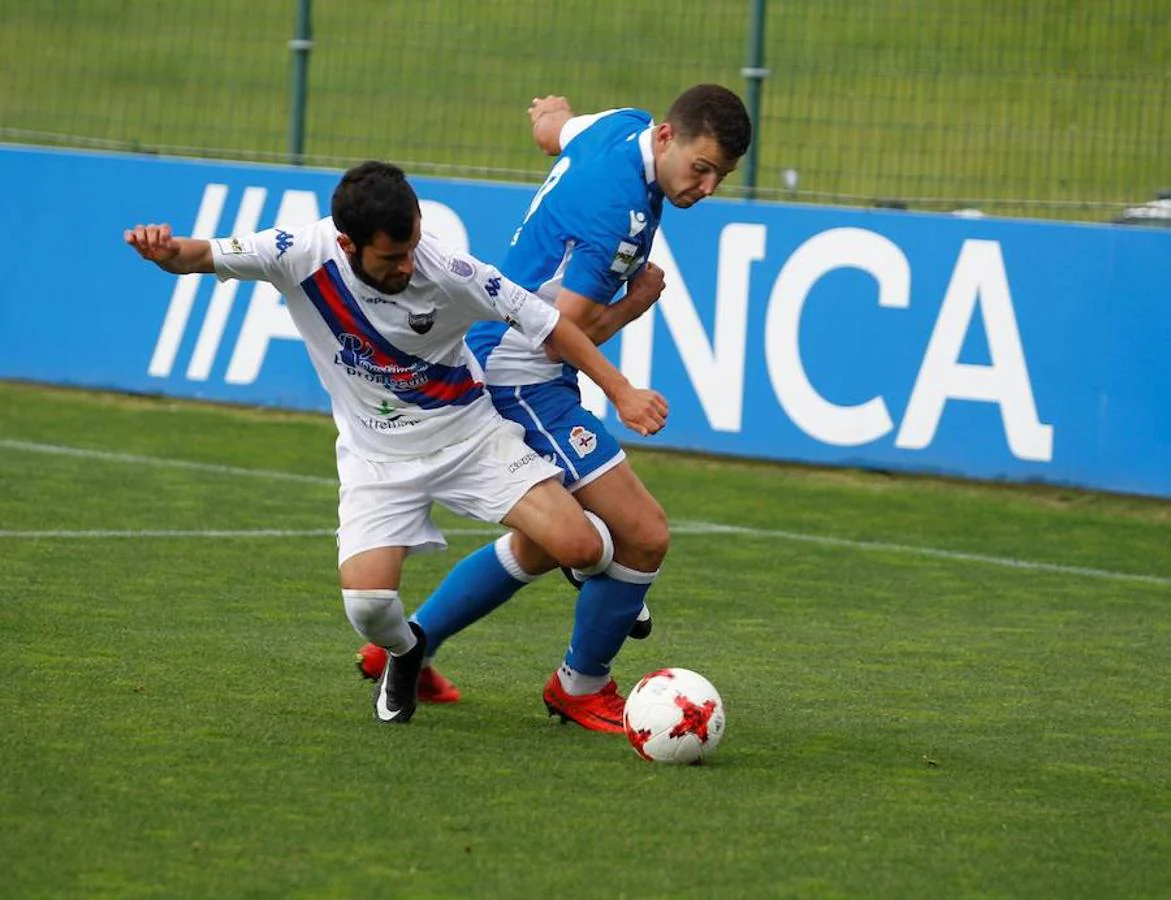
point(586, 236)
point(383, 309)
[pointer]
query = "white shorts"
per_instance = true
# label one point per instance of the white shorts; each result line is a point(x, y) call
point(388, 503)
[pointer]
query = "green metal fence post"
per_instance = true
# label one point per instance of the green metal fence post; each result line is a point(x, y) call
point(755, 73)
point(300, 46)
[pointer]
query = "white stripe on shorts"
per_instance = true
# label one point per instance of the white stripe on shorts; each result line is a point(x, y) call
point(541, 428)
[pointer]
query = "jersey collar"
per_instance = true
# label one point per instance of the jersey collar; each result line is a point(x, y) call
point(648, 154)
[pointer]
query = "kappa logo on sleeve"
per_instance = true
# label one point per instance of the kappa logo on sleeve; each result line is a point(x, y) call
point(235, 246)
point(284, 241)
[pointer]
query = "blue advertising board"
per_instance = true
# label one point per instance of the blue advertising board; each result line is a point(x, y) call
point(978, 348)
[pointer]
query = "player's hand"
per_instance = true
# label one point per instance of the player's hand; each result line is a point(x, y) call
point(645, 289)
point(542, 106)
point(153, 242)
point(642, 410)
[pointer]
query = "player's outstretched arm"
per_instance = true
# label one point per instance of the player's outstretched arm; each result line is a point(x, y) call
point(179, 256)
point(548, 115)
point(640, 409)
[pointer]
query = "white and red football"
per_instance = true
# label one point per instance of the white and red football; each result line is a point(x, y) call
point(674, 716)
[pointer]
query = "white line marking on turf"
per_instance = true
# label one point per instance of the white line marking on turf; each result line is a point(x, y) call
point(159, 533)
point(209, 533)
point(882, 546)
point(58, 450)
point(679, 528)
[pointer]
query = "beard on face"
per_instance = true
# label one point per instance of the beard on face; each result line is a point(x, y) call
point(394, 285)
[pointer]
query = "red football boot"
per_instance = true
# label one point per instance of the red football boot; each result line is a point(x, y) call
point(601, 711)
point(371, 660)
point(433, 687)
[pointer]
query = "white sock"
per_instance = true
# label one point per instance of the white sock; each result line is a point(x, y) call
point(508, 559)
point(378, 616)
point(576, 683)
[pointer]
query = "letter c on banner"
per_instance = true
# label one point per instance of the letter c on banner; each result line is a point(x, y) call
point(838, 248)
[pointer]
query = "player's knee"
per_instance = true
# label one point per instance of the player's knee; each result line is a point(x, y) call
point(581, 550)
point(657, 534)
point(375, 614)
point(532, 559)
point(645, 544)
point(587, 548)
point(603, 560)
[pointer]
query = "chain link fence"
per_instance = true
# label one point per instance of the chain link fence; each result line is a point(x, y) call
point(1053, 107)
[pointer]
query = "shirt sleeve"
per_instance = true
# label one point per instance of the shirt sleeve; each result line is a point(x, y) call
point(575, 126)
point(506, 301)
point(604, 255)
point(250, 257)
point(591, 271)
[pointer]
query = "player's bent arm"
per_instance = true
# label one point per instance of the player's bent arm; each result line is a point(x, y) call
point(641, 410)
point(588, 315)
point(600, 321)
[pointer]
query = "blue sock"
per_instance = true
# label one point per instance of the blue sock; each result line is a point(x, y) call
point(477, 584)
point(607, 606)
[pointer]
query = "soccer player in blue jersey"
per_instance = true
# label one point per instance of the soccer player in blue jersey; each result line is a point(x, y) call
point(586, 236)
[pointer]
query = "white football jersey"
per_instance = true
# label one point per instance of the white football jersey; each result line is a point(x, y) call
point(395, 365)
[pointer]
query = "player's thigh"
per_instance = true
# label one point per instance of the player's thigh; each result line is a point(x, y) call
point(377, 569)
point(636, 520)
point(485, 476)
point(382, 506)
point(553, 520)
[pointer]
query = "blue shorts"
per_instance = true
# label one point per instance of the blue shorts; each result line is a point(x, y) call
point(559, 428)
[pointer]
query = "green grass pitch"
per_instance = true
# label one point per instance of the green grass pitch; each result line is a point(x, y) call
point(934, 689)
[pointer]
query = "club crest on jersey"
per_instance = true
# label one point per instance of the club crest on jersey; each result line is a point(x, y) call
point(582, 441)
point(421, 322)
point(626, 258)
point(461, 268)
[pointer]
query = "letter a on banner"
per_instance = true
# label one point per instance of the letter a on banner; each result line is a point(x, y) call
point(978, 282)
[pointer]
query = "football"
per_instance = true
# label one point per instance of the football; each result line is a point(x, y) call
point(674, 716)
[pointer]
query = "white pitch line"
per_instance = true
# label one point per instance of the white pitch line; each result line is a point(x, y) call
point(159, 533)
point(677, 528)
point(207, 533)
point(910, 550)
point(59, 450)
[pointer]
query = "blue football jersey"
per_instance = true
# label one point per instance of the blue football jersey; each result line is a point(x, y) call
point(588, 229)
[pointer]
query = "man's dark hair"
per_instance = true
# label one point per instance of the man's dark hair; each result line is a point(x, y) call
point(373, 197)
point(709, 110)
